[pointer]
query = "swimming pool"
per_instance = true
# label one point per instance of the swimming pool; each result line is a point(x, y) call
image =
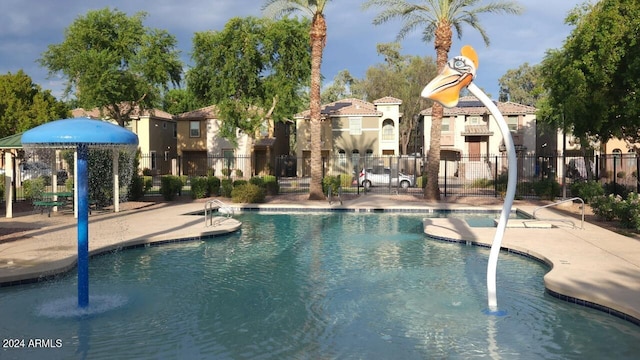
point(327, 285)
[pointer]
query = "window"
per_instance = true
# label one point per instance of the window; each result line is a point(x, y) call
point(153, 160)
point(355, 125)
point(446, 125)
point(264, 129)
point(342, 157)
point(387, 130)
point(355, 156)
point(194, 129)
point(512, 122)
point(175, 130)
point(474, 120)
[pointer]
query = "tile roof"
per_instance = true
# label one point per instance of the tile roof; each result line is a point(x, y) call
point(388, 100)
point(471, 130)
point(344, 107)
point(470, 105)
point(208, 112)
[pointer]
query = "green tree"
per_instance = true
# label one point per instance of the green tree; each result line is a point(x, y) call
point(343, 86)
point(402, 77)
point(437, 20)
point(24, 105)
point(113, 62)
point(318, 38)
point(253, 70)
point(594, 80)
point(178, 101)
point(522, 85)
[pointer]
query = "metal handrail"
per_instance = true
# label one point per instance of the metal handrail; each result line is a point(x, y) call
point(222, 208)
point(330, 195)
point(562, 202)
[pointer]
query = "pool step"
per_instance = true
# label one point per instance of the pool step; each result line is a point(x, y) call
point(527, 223)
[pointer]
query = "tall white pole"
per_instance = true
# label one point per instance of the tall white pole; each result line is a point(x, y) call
point(116, 181)
point(508, 199)
point(8, 182)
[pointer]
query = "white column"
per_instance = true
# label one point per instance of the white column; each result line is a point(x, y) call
point(116, 182)
point(8, 188)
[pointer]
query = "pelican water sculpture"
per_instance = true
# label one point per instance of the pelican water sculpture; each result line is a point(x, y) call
point(445, 88)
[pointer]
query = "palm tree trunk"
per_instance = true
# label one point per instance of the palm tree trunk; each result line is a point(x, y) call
point(318, 37)
point(442, 45)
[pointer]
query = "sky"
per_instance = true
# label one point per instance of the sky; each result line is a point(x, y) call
point(27, 27)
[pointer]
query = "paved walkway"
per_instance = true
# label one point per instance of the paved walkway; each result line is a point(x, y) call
point(591, 266)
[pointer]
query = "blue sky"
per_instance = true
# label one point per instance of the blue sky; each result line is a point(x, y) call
point(27, 27)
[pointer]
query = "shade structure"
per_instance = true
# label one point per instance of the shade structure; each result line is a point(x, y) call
point(80, 134)
point(68, 133)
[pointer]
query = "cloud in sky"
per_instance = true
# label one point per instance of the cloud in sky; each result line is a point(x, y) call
point(27, 27)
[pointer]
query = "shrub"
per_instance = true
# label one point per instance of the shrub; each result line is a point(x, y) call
point(2, 186)
point(226, 172)
point(628, 211)
point(226, 186)
point(213, 186)
point(239, 182)
point(615, 189)
point(148, 184)
point(136, 189)
point(170, 186)
point(345, 180)
point(199, 187)
point(621, 175)
point(271, 184)
point(33, 188)
point(482, 183)
point(247, 193)
point(525, 189)
point(421, 182)
point(587, 190)
point(68, 184)
point(239, 173)
point(257, 180)
point(603, 206)
point(332, 182)
point(547, 189)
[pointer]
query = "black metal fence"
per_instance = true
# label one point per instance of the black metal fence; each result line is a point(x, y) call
point(459, 176)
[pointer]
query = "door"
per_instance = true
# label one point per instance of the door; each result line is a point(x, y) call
point(474, 150)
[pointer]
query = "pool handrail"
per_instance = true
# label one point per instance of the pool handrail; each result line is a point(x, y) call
point(562, 202)
point(222, 208)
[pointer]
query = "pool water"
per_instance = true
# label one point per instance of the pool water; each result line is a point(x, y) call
point(309, 286)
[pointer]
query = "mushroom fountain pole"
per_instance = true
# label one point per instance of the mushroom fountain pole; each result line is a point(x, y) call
point(80, 134)
point(445, 89)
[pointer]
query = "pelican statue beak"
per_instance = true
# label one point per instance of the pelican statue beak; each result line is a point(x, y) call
point(456, 75)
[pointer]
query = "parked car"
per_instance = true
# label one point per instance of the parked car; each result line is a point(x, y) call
point(381, 176)
point(33, 169)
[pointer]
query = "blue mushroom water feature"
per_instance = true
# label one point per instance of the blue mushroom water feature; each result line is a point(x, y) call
point(80, 134)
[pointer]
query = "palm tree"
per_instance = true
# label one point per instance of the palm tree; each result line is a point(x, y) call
point(318, 34)
point(438, 19)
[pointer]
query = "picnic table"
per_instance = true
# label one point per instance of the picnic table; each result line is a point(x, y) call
point(47, 201)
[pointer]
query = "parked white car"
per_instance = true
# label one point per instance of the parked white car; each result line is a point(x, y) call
point(382, 177)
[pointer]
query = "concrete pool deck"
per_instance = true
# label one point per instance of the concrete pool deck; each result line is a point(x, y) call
point(591, 266)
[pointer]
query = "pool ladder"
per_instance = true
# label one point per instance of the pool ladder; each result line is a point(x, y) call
point(221, 207)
